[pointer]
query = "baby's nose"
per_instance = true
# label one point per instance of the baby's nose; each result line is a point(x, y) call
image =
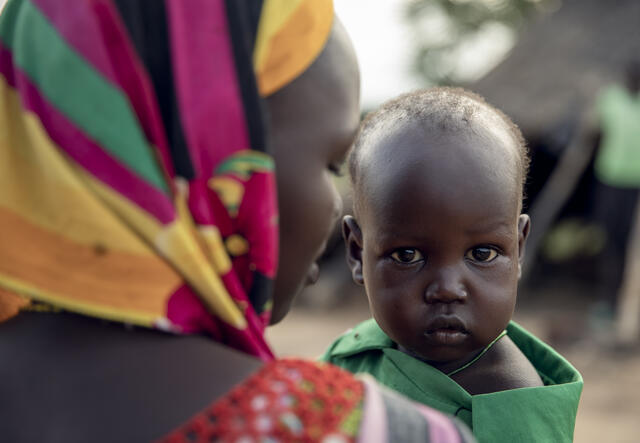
point(447, 287)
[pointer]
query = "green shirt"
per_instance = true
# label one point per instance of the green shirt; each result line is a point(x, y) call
point(541, 414)
point(618, 159)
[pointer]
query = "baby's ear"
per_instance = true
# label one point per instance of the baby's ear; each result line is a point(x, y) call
point(524, 227)
point(353, 241)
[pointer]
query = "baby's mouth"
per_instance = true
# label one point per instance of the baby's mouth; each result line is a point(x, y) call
point(446, 337)
point(446, 331)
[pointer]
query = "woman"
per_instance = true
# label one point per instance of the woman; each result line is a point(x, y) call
point(136, 187)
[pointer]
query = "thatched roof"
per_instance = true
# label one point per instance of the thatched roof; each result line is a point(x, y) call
point(562, 60)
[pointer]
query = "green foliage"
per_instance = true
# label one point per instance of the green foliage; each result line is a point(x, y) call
point(442, 28)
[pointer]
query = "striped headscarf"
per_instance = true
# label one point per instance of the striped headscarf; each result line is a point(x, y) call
point(136, 183)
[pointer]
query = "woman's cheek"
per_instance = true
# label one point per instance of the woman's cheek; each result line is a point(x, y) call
point(325, 207)
point(317, 202)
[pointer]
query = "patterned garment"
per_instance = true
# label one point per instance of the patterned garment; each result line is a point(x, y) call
point(302, 401)
point(135, 180)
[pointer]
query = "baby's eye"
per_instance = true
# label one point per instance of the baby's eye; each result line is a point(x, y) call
point(407, 255)
point(482, 254)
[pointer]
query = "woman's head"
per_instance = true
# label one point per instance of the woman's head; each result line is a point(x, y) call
point(160, 160)
point(313, 121)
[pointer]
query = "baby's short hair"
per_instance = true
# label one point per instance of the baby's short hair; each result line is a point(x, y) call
point(441, 109)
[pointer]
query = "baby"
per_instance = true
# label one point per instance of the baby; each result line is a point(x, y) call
point(437, 239)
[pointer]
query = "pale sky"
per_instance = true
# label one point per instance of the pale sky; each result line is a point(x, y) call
point(384, 47)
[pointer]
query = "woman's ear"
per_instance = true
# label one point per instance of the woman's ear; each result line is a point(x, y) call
point(524, 227)
point(353, 241)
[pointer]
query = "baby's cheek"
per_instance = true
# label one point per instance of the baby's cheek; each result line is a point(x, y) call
point(386, 274)
point(502, 271)
point(397, 293)
point(499, 304)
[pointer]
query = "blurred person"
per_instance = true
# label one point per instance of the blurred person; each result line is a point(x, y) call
point(617, 168)
point(437, 239)
point(140, 227)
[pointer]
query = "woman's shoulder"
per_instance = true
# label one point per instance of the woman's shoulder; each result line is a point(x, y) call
point(82, 379)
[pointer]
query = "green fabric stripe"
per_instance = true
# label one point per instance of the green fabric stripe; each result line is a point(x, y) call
point(65, 79)
point(246, 162)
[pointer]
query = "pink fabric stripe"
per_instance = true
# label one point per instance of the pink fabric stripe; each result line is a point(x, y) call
point(200, 203)
point(94, 29)
point(186, 310)
point(247, 341)
point(260, 194)
point(83, 150)
point(79, 27)
point(441, 429)
point(253, 335)
point(373, 427)
point(206, 86)
point(6, 66)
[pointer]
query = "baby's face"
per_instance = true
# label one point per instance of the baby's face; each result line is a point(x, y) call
point(442, 239)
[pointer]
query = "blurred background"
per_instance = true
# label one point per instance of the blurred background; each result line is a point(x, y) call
point(567, 72)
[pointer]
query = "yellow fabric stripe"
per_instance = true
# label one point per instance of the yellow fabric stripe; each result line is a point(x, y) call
point(145, 225)
point(80, 307)
point(291, 34)
point(41, 184)
point(60, 242)
point(229, 191)
point(10, 304)
point(181, 245)
point(69, 240)
point(81, 277)
point(274, 15)
point(219, 257)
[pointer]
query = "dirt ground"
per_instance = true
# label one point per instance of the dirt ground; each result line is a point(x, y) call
point(610, 407)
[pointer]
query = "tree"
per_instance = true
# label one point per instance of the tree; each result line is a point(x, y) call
point(459, 40)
